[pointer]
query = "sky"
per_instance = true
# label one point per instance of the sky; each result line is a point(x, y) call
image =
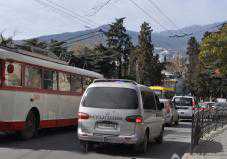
point(24, 19)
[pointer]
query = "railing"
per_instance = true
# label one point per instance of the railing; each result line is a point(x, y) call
point(203, 122)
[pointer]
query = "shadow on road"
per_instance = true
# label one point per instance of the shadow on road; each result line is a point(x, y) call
point(166, 150)
point(61, 139)
point(65, 139)
point(205, 147)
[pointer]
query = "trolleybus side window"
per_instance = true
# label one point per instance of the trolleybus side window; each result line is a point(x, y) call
point(76, 85)
point(13, 74)
point(86, 82)
point(33, 77)
point(50, 80)
point(1, 67)
point(64, 81)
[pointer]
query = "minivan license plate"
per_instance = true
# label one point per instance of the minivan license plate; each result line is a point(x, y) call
point(104, 125)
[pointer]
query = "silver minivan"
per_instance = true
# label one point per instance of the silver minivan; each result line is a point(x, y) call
point(184, 105)
point(119, 112)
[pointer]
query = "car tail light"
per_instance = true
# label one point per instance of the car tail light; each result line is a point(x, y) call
point(193, 105)
point(83, 115)
point(134, 119)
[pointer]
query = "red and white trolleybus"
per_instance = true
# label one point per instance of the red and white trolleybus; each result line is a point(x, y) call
point(39, 92)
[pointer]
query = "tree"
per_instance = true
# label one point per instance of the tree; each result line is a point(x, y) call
point(60, 50)
point(99, 59)
point(35, 43)
point(214, 59)
point(213, 51)
point(5, 41)
point(193, 68)
point(119, 41)
point(147, 65)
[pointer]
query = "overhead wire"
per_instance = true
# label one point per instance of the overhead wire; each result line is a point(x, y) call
point(99, 8)
point(148, 14)
point(163, 13)
point(72, 12)
point(61, 10)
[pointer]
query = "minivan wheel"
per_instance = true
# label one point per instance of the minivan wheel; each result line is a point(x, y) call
point(142, 148)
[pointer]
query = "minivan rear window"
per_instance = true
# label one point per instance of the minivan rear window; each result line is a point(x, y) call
point(182, 101)
point(110, 98)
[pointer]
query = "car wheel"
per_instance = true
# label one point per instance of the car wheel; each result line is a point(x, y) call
point(177, 121)
point(85, 146)
point(159, 139)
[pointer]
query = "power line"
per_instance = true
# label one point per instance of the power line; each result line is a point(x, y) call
point(82, 39)
point(72, 12)
point(99, 8)
point(147, 13)
point(88, 25)
point(198, 31)
point(85, 34)
point(158, 8)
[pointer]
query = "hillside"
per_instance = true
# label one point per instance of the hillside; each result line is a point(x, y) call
point(160, 39)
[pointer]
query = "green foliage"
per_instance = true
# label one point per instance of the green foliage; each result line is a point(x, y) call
point(214, 50)
point(118, 41)
point(205, 63)
point(60, 50)
point(5, 41)
point(193, 68)
point(148, 68)
point(35, 43)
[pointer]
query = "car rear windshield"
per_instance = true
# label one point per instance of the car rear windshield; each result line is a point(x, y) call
point(182, 101)
point(110, 98)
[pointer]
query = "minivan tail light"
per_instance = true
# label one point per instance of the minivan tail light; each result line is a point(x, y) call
point(83, 115)
point(134, 119)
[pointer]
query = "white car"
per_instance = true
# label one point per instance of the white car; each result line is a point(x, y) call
point(171, 115)
point(120, 112)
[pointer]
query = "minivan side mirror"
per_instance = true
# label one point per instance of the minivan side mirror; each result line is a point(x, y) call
point(161, 106)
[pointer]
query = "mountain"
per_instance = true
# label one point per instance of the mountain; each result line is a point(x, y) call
point(167, 40)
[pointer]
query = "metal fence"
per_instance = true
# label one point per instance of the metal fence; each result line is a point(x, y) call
point(203, 122)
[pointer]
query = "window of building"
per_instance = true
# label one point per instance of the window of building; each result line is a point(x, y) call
point(76, 84)
point(50, 80)
point(86, 82)
point(13, 73)
point(148, 101)
point(64, 81)
point(33, 77)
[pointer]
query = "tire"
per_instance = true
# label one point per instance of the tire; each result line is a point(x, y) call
point(177, 122)
point(142, 147)
point(159, 139)
point(31, 126)
point(85, 146)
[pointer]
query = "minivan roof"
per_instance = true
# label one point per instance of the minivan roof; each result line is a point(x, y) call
point(119, 83)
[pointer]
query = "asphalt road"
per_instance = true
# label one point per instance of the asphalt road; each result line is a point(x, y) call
point(63, 144)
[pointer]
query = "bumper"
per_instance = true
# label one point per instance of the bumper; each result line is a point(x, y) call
point(168, 119)
point(185, 114)
point(112, 139)
point(11, 126)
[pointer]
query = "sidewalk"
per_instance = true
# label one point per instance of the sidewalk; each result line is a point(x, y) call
point(215, 148)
